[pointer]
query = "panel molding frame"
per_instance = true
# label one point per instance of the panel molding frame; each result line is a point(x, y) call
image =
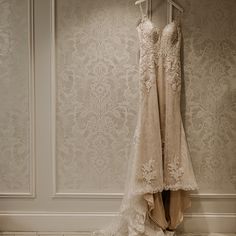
point(53, 95)
point(90, 195)
point(199, 196)
point(56, 194)
point(31, 84)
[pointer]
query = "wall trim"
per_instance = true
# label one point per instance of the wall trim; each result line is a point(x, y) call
point(53, 233)
point(89, 221)
point(81, 233)
point(89, 195)
point(218, 196)
point(214, 195)
point(31, 193)
point(64, 195)
point(56, 194)
point(53, 97)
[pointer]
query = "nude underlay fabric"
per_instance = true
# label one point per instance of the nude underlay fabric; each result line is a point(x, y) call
point(168, 208)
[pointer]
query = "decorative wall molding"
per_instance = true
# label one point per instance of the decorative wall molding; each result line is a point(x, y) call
point(89, 195)
point(56, 193)
point(87, 222)
point(54, 233)
point(61, 233)
point(31, 193)
point(53, 97)
point(120, 195)
point(213, 195)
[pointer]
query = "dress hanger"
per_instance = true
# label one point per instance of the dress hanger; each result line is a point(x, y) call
point(139, 2)
point(177, 6)
point(148, 8)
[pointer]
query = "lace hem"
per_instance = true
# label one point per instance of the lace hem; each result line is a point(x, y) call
point(166, 187)
point(185, 188)
point(133, 219)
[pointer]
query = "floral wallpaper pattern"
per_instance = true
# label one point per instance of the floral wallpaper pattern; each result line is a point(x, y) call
point(96, 104)
point(209, 96)
point(97, 92)
point(14, 97)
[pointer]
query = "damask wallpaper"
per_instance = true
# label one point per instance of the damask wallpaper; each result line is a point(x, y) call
point(14, 97)
point(209, 94)
point(97, 92)
point(97, 74)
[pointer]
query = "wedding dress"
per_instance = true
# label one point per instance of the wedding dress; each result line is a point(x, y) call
point(160, 172)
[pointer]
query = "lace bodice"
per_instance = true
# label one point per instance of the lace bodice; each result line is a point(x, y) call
point(159, 45)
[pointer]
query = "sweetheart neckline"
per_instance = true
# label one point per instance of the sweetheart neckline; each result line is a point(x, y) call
point(145, 19)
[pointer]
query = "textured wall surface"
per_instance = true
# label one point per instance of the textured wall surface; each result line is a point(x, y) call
point(97, 93)
point(96, 47)
point(209, 96)
point(14, 97)
point(96, 110)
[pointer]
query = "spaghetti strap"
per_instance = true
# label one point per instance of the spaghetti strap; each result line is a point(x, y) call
point(143, 15)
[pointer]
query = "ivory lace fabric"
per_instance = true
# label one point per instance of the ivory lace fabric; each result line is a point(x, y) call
point(159, 163)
